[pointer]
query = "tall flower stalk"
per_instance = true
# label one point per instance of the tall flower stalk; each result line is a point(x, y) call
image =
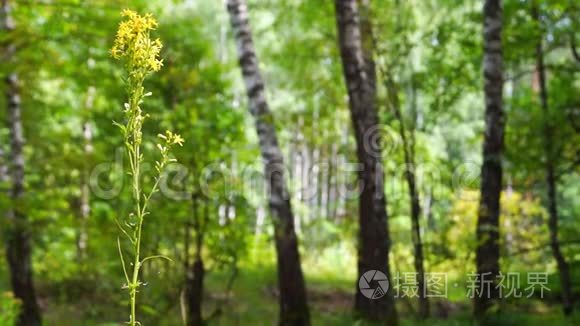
point(140, 55)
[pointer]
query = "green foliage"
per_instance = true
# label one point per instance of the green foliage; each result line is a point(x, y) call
point(9, 309)
point(433, 49)
point(524, 234)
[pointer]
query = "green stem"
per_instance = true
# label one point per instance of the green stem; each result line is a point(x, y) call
point(133, 146)
point(135, 155)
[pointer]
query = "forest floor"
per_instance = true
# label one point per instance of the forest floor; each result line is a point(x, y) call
point(253, 301)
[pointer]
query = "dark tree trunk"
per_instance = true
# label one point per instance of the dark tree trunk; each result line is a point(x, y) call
point(293, 303)
point(18, 247)
point(368, 41)
point(194, 293)
point(374, 242)
point(195, 273)
point(487, 254)
point(409, 156)
point(563, 267)
point(417, 242)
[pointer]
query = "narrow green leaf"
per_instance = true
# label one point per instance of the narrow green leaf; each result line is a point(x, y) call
point(155, 257)
point(122, 260)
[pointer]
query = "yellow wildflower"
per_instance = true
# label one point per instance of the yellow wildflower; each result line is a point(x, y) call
point(133, 43)
point(178, 140)
point(171, 138)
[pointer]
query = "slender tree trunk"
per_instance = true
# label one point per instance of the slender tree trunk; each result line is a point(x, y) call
point(186, 246)
point(85, 205)
point(293, 303)
point(322, 191)
point(428, 210)
point(487, 253)
point(374, 241)
point(342, 180)
point(18, 246)
point(316, 170)
point(301, 175)
point(563, 267)
point(304, 183)
point(4, 177)
point(317, 174)
point(331, 196)
point(416, 238)
point(409, 156)
point(196, 272)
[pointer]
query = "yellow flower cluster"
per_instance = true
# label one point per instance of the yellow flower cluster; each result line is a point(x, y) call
point(134, 43)
point(171, 138)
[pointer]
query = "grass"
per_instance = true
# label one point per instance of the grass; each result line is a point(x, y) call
point(98, 301)
point(254, 302)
